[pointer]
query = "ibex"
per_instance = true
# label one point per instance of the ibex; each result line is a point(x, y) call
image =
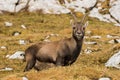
point(60, 53)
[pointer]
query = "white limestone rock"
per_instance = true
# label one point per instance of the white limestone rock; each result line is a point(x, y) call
point(114, 61)
point(17, 55)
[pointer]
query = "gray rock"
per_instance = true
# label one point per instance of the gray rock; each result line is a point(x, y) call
point(23, 26)
point(114, 61)
point(16, 33)
point(115, 9)
point(25, 78)
point(22, 42)
point(17, 55)
point(88, 51)
point(3, 47)
point(96, 37)
point(114, 41)
point(104, 78)
point(47, 40)
point(112, 36)
point(6, 69)
point(90, 43)
point(117, 40)
point(111, 42)
point(8, 24)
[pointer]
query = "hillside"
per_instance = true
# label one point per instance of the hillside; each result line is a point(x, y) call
point(89, 66)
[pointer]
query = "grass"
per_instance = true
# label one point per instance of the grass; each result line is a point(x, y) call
point(87, 66)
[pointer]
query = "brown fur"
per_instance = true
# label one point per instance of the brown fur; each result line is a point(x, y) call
point(60, 53)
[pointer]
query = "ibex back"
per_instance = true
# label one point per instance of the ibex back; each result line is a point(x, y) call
point(60, 53)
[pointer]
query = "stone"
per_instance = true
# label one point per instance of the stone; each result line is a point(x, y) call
point(88, 51)
point(25, 78)
point(17, 55)
point(8, 24)
point(6, 69)
point(22, 42)
point(104, 78)
point(3, 47)
point(23, 26)
point(96, 37)
point(16, 33)
point(114, 61)
point(90, 43)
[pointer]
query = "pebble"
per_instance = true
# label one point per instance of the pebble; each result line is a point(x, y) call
point(6, 69)
point(23, 26)
point(110, 36)
point(104, 78)
point(90, 43)
point(3, 47)
point(16, 33)
point(88, 51)
point(22, 42)
point(24, 78)
point(96, 37)
point(8, 24)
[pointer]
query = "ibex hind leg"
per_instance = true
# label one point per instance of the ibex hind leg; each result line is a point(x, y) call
point(59, 61)
point(30, 64)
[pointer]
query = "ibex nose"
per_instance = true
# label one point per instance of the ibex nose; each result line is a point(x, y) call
point(78, 32)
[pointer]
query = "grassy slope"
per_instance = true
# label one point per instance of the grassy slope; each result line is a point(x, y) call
point(87, 66)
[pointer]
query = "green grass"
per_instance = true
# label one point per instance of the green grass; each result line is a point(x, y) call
point(87, 66)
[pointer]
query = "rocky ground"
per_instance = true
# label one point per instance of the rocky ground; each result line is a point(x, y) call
point(18, 31)
point(104, 10)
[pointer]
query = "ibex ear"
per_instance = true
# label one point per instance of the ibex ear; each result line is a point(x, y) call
point(85, 25)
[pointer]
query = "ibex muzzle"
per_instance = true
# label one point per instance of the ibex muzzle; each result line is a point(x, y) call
point(60, 53)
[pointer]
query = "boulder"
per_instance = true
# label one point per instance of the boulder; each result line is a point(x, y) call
point(114, 61)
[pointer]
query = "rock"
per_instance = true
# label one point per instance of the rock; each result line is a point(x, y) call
point(104, 78)
point(117, 40)
point(114, 41)
point(112, 36)
point(6, 69)
point(9, 5)
point(111, 41)
point(17, 55)
point(7, 56)
point(47, 6)
point(115, 9)
point(23, 26)
point(55, 7)
point(16, 33)
point(54, 35)
point(114, 61)
point(25, 78)
point(8, 24)
point(96, 37)
point(90, 43)
point(22, 42)
point(3, 47)
point(88, 51)
point(47, 40)
point(106, 18)
point(80, 5)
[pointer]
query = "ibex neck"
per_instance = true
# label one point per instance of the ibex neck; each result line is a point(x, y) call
point(78, 42)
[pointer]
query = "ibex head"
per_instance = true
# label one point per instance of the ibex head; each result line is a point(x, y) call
point(79, 28)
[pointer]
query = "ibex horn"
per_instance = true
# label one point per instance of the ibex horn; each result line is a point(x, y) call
point(83, 18)
point(75, 19)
